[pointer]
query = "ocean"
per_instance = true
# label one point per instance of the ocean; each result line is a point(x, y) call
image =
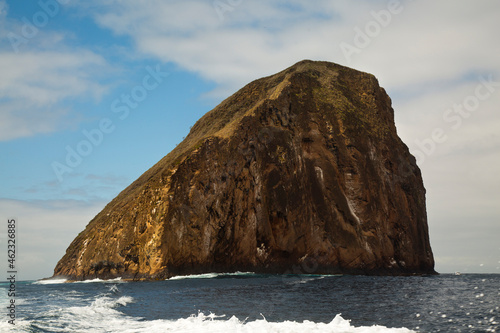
point(246, 302)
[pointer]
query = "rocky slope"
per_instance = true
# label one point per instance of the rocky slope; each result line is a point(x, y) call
point(301, 171)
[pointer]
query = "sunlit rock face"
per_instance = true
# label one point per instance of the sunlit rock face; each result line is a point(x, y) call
point(302, 172)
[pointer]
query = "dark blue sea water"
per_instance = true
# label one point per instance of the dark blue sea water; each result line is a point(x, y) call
point(260, 303)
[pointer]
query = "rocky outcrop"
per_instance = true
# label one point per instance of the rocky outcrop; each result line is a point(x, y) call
point(300, 168)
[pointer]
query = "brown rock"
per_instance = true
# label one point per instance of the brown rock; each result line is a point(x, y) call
point(299, 172)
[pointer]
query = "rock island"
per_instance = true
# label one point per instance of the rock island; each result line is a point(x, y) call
point(303, 168)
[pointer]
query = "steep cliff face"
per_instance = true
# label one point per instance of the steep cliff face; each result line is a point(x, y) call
point(300, 168)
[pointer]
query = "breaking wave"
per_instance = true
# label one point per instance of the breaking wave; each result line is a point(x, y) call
point(60, 281)
point(103, 315)
point(213, 275)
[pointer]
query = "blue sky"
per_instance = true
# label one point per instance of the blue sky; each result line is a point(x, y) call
point(135, 75)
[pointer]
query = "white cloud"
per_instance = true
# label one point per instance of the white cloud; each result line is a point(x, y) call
point(435, 42)
point(40, 78)
point(425, 42)
point(34, 87)
point(45, 78)
point(44, 231)
point(254, 39)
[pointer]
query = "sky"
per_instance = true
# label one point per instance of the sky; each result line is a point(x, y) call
point(93, 93)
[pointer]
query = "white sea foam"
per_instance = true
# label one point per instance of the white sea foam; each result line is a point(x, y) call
point(202, 323)
point(196, 276)
point(20, 326)
point(298, 279)
point(102, 317)
point(117, 280)
point(50, 281)
point(210, 275)
point(302, 277)
point(60, 281)
point(104, 314)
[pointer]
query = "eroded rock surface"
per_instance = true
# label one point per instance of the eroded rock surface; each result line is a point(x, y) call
point(300, 169)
